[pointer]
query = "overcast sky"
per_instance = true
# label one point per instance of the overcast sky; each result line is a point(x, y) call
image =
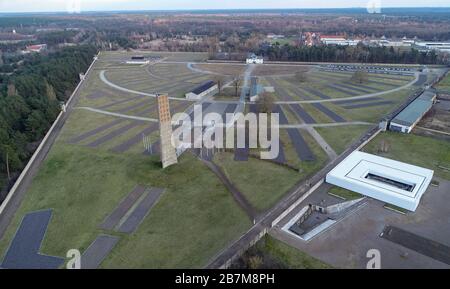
point(95, 5)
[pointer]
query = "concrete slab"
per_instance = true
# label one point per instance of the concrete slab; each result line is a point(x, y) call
point(306, 117)
point(369, 104)
point(141, 211)
point(95, 131)
point(124, 206)
point(114, 133)
point(98, 251)
point(301, 147)
point(23, 252)
point(331, 114)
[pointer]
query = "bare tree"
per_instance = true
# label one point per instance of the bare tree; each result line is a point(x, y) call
point(360, 76)
point(265, 103)
point(220, 82)
point(237, 84)
point(301, 76)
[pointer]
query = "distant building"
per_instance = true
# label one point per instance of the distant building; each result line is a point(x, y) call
point(208, 88)
point(274, 36)
point(138, 59)
point(338, 40)
point(38, 48)
point(408, 118)
point(254, 59)
point(393, 182)
point(437, 46)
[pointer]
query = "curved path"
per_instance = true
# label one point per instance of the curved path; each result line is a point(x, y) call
point(115, 86)
point(106, 81)
point(370, 95)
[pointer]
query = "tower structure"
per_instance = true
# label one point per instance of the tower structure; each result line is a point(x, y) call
point(168, 153)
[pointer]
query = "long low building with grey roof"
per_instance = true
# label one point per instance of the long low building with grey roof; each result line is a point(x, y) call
point(407, 119)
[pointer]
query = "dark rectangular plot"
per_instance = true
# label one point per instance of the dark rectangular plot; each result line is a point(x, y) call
point(353, 88)
point(281, 159)
point(134, 106)
point(418, 243)
point(114, 134)
point(334, 87)
point(23, 252)
point(370, 104)
point(95, 131)
point(97, 251)
point(316, 92)
point(179, 107)
point(421, 81)
point(141, 211)
point(306, 117)
point(120, 102)
point(123, 147)
point(231, 108)
point(366, 87)
point(383, 83)
point(124, 206)
point(331, 114)
point(282, 117)
point(351, 101)
point(301, 147)
point(300, 93)
point(279, 89)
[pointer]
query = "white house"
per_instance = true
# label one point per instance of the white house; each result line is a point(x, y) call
point(390, 181)
point(253, 59)
point(206, 89)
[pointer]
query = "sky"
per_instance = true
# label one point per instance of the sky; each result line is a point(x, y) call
point(108, 5)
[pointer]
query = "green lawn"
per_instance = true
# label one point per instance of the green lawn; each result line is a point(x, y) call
point(340, 138)
point(414, 149)
point(195, 218)
point(263, 183)
point(445, 84)
point(345, 194)
point(271, 253)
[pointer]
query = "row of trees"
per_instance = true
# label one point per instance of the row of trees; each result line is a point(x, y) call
point(30, 101)
point(360, 53)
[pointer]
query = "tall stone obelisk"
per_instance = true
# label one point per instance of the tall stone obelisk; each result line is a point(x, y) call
point(168, 153)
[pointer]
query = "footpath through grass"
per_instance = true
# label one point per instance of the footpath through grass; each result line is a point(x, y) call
point(195, 218)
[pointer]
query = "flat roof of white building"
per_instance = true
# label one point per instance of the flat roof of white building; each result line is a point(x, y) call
point(387, 180)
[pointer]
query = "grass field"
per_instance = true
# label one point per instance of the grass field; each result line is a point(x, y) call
point(269, 253)
point(445, 84)
point(414, 149)
point(263, 183)
point(194, 219)
point(340, 138)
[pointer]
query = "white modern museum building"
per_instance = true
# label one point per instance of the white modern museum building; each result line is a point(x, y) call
point(390, 181)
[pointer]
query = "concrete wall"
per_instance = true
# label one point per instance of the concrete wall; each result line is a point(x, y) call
point(41, 145)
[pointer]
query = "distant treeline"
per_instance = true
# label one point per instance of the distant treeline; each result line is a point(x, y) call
point(360, 54)
point(30, 101)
